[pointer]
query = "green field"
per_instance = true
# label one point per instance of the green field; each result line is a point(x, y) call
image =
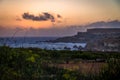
point(39, 64)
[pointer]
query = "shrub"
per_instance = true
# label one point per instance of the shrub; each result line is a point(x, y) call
point(111, 71)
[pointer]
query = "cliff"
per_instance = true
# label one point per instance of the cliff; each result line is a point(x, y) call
point(91, 34)
point(101, 39)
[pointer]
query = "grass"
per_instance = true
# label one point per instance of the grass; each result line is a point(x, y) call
point(39, 64)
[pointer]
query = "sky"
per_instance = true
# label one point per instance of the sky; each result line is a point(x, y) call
point(50, 14)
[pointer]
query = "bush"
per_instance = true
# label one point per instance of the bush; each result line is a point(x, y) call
point(111, 71)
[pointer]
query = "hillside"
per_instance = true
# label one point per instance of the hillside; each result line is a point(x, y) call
point(95, 38)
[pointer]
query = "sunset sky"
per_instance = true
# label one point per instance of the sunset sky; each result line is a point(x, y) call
point(71, 12)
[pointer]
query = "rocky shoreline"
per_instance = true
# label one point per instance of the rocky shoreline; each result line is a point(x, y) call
point(101, 39)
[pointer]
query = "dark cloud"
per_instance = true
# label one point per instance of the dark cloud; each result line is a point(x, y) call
point(42, 17)
point(118, 1)
point(59, 16)
point(49, 16)
point(34, 18)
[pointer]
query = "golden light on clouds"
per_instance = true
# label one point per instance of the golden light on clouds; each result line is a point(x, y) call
point(74, 12)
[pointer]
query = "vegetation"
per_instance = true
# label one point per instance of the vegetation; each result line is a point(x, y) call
point(39, 64)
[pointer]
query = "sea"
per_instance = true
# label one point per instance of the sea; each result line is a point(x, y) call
point(39, 42)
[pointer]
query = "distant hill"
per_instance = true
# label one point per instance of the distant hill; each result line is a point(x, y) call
point(112, 24)
point(91, 34)
point(98, 39)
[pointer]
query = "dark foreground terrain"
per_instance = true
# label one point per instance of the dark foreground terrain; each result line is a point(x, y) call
point(39, 64)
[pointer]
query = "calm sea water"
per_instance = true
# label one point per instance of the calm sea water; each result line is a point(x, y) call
point(39, 42)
